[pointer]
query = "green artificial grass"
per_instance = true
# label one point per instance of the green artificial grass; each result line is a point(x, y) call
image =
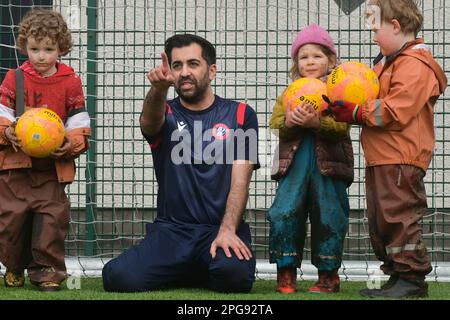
point(92, 289)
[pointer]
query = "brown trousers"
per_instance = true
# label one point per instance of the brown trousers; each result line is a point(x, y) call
point(34, 221)
point(396, 201)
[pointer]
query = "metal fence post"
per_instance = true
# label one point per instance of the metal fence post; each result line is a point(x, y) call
point(91, 194)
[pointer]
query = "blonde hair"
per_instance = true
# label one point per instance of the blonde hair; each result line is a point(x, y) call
point(41, 23)
point(294, 72)
point(405, 11)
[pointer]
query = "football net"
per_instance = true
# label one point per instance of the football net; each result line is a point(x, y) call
point(117, 42)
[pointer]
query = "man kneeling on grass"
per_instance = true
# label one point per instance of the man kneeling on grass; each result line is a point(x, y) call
point(199, 237)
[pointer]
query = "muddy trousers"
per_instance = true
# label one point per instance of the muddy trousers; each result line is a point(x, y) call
point(304, 192)
point(34, 221)
point(396, 201)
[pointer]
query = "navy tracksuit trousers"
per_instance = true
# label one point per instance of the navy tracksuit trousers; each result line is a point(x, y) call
point(173, 255)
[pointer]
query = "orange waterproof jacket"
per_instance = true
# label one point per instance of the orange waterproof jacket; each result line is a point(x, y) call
point(398, 127)
point(65, 168)
point(64, 92)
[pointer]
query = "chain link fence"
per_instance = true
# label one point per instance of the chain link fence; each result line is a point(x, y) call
point(117, 42)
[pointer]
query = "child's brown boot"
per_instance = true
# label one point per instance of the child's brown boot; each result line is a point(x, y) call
point(14, 279)
point(328, 282)
point(286, 280)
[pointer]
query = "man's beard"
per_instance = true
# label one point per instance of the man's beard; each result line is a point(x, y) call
point(200, 89)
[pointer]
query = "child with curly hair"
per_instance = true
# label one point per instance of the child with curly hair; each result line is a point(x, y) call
point(34, 208)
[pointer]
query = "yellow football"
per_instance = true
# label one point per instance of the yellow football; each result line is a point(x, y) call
point(40, 131)
point(353, 82)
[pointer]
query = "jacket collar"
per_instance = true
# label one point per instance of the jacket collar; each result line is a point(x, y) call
point(419, 50)
point(395, 54)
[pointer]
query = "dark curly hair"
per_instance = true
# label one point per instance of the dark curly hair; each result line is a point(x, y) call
point(184, 40)
point(41, 23)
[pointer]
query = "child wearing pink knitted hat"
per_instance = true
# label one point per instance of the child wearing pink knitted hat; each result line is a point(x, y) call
point(314, 171)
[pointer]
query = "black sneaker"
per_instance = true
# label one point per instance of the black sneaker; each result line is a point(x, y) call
point(391, 281)
point(49, 286)
point(370, 292)
point(404, 289)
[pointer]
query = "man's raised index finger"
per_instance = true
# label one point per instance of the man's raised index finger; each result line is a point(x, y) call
point(165, 62)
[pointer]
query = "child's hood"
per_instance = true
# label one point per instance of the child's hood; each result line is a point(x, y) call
point(64, 70)
point(421, 51)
